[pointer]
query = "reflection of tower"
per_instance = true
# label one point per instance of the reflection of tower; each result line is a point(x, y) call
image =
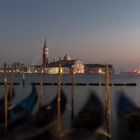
point(45, 53)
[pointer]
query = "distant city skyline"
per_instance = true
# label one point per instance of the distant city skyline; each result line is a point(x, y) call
point(96, 31)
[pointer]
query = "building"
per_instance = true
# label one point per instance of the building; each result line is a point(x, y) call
point(45, 54)
point(67, 57)
point(98, 68)
point(68, 65)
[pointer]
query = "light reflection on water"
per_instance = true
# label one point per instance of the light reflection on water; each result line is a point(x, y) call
point(80, 92)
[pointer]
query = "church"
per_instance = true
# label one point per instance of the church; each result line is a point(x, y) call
point(45, 53)
point(68, 65)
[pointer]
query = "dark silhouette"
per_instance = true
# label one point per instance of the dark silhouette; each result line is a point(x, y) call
point(91, 115)
point(84, 124)
point(128, 117)
point(89, 119)
point(48, 113)
point(8, 99)
point(21, 110)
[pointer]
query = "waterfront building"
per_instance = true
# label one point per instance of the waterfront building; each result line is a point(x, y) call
point(17, 65)
point(45, 54)
point(98, 68)
point(68, 65)
point(135, 71)
point(67, 57)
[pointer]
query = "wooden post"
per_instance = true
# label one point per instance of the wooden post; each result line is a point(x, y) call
point(5, 99)
point(11, 85)
point(23, 79)
point(59, 102)
point(107, 99)
point(72, 96)
point(41, 88)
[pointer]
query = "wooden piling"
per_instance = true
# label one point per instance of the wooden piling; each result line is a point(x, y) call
point(107, 100)
point(72, 96)
point(41, 88)
point(23, 79)
point(11, 84)
point(59, 102)
point(5, 99)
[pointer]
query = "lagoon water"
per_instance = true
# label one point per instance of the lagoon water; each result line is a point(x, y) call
point(81, 93)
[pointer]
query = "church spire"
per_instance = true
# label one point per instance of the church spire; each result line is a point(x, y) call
point(45, 45)
point(45, 53)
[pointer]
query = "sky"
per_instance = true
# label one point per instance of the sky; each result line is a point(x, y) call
point(96, 31)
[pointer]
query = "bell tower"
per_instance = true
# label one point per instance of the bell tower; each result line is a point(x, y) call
point(45, 53)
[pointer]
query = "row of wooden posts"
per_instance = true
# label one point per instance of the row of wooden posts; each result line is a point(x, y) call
point(107, 97)
point(107, 100)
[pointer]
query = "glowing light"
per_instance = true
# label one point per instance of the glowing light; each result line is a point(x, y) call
point(100, 70)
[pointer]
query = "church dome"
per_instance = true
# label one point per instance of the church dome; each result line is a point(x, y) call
point(67, 57)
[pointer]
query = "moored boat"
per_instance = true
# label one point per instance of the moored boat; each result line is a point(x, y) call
point(48, 113)
point(91, 115)
point(9, 101)
point(21, 110)
point(87, 124)
point(128, 118)
point(8, 98)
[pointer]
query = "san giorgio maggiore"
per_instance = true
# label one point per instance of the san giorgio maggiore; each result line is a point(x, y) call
point(68, 65)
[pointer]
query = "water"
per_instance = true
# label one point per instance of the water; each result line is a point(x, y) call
point(81, 93)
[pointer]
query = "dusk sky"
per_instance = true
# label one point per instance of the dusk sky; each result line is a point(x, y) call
point(96, 31)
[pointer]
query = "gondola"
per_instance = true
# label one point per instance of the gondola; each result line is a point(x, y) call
point(87, 124)
point(124, 105)
point(48, 113)
point(9, 101)
point(128, 118)
point(91, 115)
point(23, 109)
point(128, 112)
point(8, 98)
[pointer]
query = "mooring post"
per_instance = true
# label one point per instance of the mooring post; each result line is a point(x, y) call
point(107, 100)
point(59, 101)
point(23, 79)
point(41, 88)
point(5, 99)
point(12, 83)
point(72, 95)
